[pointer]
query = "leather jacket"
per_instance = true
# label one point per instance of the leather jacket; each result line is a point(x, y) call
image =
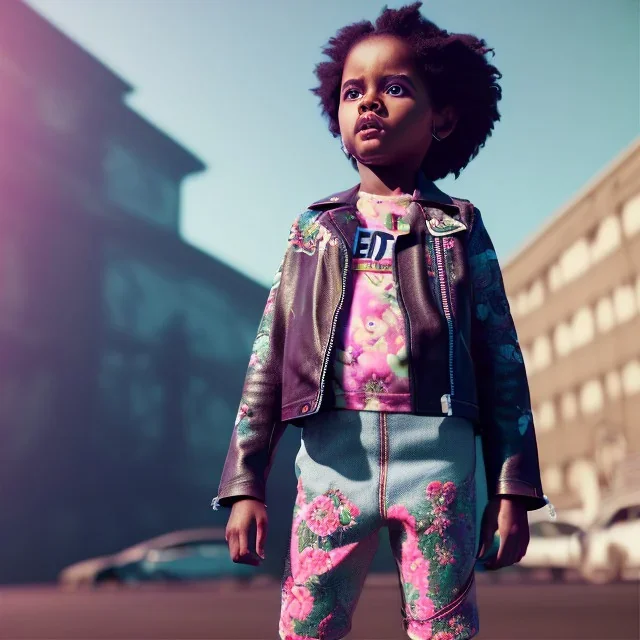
point(464, 356)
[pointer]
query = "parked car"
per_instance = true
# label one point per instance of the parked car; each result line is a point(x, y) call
point(190, 554)
point(554, 545)
point(611, 545)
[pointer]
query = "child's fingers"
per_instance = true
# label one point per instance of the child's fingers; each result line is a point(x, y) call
point(232, 541)
point(243, 542)
point(507, 552)
point(261, 535)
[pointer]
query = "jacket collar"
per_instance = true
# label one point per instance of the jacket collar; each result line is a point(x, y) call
point(425, 192)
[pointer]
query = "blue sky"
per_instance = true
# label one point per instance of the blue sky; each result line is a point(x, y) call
point(230, 81)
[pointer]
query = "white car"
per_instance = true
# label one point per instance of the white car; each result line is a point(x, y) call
point(554, 544)
point(611, 545)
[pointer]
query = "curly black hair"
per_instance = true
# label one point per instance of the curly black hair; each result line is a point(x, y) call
point(456, 71)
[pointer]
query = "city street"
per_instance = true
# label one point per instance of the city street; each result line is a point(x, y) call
point(513, 611)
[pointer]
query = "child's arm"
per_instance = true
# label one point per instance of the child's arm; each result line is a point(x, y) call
point(508, 435)
point(258, 427)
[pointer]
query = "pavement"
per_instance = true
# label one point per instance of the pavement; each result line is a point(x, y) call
point(509, 610)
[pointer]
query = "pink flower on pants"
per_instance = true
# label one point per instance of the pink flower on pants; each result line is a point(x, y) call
point(439, 524)
point(419, 630)
point(414, 567)
point(400, 512)
point(449, 492)
point(312, 562)
point(434, 488)
point(322, 517)
point(298, 600)
point(443, 635)
point(423, 608)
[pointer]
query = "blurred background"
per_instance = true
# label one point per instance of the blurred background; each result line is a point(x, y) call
point(153, 154)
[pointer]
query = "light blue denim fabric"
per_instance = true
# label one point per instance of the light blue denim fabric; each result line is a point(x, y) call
point(358, 472)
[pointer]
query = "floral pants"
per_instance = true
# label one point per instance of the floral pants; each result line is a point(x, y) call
point(360, 471)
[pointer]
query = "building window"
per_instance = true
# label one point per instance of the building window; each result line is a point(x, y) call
point(631, 216)
point(541, 354)
point(569, 406)
point(545, 417)
point(624, 303)
point(582, 327)
point(575, 260)
point(552, 479)
point(631, 377)
point(563, 339)
point(613, 385)
point(605, 316)
point(555, 277)
point(607, 238)
point(536, 295)
point(591, 397)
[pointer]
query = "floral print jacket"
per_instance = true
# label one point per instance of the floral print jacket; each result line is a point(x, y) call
point(464, 356)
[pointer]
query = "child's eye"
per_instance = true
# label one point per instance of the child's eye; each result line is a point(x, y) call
point(396, 93)
point(348, 96)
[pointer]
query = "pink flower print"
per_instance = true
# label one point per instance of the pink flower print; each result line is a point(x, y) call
point(457, 625)
point(322, 516)
point(434, 489)
point(300, 497)
point(300, 602)
point(419, 630)
point(312, 562)
point(449, 492)
point(400, 512)
point(444, 555)
point(439, 524)
point(423, 608)
point(242, 412)
point(322, 627)
point(443, 635)
point(448, 242)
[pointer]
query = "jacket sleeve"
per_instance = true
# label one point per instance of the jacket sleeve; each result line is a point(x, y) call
point(508, 435)
point(258, 427)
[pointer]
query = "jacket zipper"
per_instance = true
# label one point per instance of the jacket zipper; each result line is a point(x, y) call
point(405, 315)
point(327, 354)
point(384, 455)
point(444, 293)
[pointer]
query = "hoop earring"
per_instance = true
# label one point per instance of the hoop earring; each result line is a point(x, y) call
point(435, 136)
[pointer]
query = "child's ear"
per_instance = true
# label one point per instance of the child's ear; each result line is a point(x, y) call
point(445, 121)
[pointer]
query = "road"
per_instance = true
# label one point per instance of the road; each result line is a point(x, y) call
point(225, 611)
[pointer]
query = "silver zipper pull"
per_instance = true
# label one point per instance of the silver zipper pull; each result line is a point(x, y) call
point(215, 503)
point(552, 510)
point(445, 403)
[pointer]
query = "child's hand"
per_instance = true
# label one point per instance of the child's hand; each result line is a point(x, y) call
point(244, 514)
point(509, 517)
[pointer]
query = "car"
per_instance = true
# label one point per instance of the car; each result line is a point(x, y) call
point(185, 555)
point(554, 545)
point(611, 545)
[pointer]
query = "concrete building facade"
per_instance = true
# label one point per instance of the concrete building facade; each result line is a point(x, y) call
point(574, 291)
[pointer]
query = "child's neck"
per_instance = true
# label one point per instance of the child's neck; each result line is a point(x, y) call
point(387, 181)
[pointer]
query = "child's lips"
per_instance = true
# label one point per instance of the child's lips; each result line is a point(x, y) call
point(370, 133)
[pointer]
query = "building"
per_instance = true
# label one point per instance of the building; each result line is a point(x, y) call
point(574, 291)
point(123, 349)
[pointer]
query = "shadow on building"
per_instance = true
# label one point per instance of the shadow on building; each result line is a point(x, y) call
point(122, 349)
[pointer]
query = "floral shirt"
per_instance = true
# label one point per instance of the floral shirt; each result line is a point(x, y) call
point(370, 370)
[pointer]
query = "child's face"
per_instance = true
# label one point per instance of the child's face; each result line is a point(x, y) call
point(401, 102)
